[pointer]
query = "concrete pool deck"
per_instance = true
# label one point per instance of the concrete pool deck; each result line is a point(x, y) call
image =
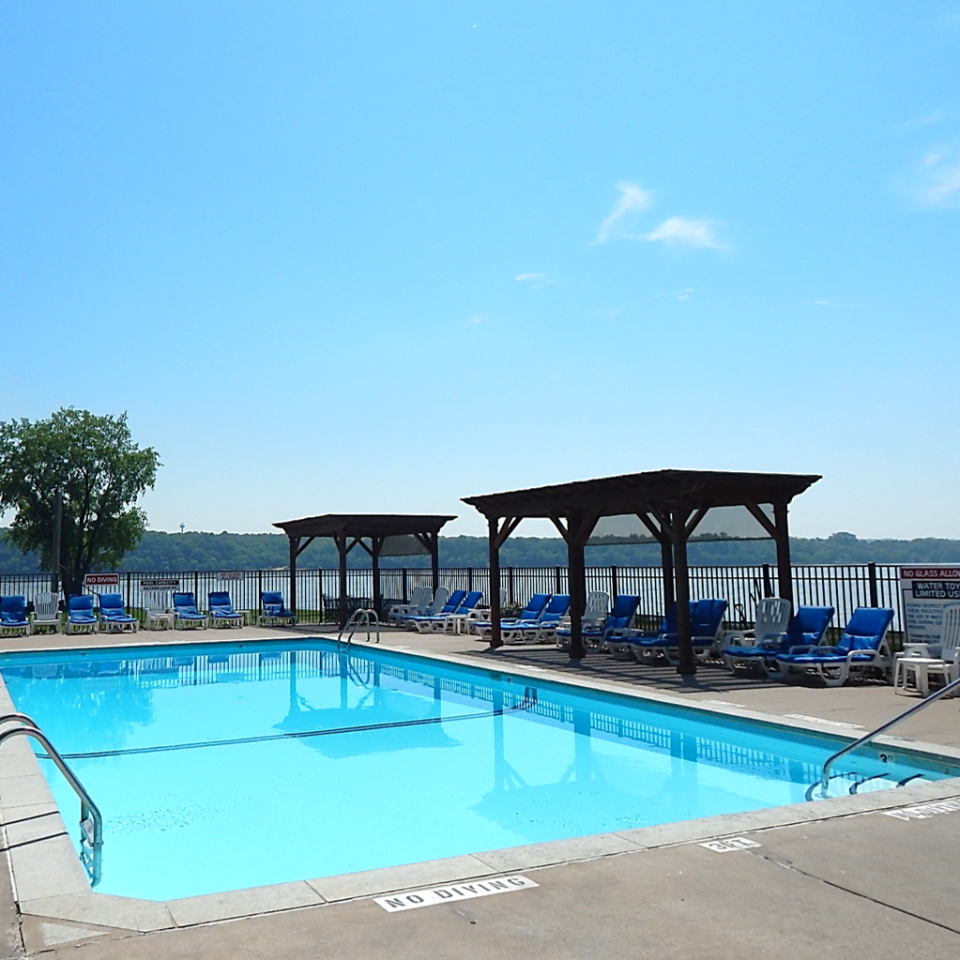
point(841, 877)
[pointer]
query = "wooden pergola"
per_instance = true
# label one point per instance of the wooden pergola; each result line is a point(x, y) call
point(669, 503)
point(349, 530)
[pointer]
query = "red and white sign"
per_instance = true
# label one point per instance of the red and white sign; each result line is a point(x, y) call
point(101, 580)
point(930, 573)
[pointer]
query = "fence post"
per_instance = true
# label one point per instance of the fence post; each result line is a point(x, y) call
point(509, 584)
point(404, 577)
point(470, 579)
point(559, 584)
point(614, 584)
point(872, 573)
point(767, 583)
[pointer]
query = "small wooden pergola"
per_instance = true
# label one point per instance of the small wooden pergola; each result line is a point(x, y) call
point(351, 529)
point(669, 503)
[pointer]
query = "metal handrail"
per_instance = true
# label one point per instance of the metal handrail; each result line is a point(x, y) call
point(91, 820)
point(936, 695)
point(367, 616)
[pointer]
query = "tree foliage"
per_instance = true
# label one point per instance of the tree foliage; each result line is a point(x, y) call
point(101, 473)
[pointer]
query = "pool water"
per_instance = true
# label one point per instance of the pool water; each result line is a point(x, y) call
point(225, 766)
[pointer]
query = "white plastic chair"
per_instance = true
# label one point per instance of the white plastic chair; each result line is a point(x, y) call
point(773, 619)
point(46, 613)
point(916, 666)
point(156, 607)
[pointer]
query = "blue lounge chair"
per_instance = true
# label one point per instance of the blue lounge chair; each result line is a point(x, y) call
point(531, 612)
point(425, 624)
point(596, 634)
point(706, 618)
point(622, 643)
point(113, 617)
point(543, 630)
point(13, 616)
point(806, 629)
point(442, 623)
point(862, 650)
point(221, 610)
point(80, 618)
point(186, 616)
point(272, 610)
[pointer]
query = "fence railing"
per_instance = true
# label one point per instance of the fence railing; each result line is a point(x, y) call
point(844, 586)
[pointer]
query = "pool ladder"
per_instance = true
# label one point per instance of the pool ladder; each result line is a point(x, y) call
point(91, 821)
point(365, 616)
point(952, 687)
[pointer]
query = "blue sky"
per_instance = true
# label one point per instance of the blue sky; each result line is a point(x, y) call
point(377, 256)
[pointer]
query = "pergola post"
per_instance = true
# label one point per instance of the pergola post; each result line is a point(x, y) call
point(341, 541)
point(666, 561)
point(294, 551)
point(577, 572)
point(435, 560)
point(678, 537)
point(377, 545)
point(782, 538)
point(493, 525)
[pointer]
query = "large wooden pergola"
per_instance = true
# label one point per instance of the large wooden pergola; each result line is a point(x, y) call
point(669, 503)
point(349, 530)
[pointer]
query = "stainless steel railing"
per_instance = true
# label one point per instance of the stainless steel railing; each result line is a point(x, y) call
point(954, 685)
point(91, 820)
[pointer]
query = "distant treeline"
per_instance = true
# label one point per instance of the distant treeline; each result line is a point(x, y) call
point(250, 551)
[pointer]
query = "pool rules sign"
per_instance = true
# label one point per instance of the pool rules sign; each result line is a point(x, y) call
point(931, 598)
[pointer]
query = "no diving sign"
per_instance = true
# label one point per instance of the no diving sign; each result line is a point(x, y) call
point(459, 891)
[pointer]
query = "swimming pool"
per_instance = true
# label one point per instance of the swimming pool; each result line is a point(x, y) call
point(224, 766)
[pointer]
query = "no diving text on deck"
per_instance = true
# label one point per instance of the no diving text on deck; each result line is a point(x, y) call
point(459, 891)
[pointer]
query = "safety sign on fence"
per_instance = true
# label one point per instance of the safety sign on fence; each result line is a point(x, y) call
point(101, 580)
point(931, 601)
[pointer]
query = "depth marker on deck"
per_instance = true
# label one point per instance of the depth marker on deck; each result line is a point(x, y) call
point(730, 844)
point(431, 896)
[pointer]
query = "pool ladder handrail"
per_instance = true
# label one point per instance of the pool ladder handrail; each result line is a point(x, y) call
point(362, 615)
point(91, 820)
point(916, 708)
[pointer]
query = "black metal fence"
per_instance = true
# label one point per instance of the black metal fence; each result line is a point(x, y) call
point(844, 586)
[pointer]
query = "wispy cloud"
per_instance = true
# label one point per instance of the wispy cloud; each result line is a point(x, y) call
point(536, 280)
point(622, 223)
point(691, 233)
point(937, 182)
point(633, 200)
point(833, 303)
point(921, 122)
point(476, 318)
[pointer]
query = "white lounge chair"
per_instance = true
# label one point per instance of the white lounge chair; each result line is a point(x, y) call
point(420, 600)
point(773, 619)
point(594, 616)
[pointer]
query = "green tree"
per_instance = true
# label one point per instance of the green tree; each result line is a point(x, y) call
point(100, 472)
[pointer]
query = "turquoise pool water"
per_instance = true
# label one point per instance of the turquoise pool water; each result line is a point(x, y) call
point(219, 767)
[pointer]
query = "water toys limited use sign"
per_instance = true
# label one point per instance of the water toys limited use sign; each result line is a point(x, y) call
point(931, 602)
